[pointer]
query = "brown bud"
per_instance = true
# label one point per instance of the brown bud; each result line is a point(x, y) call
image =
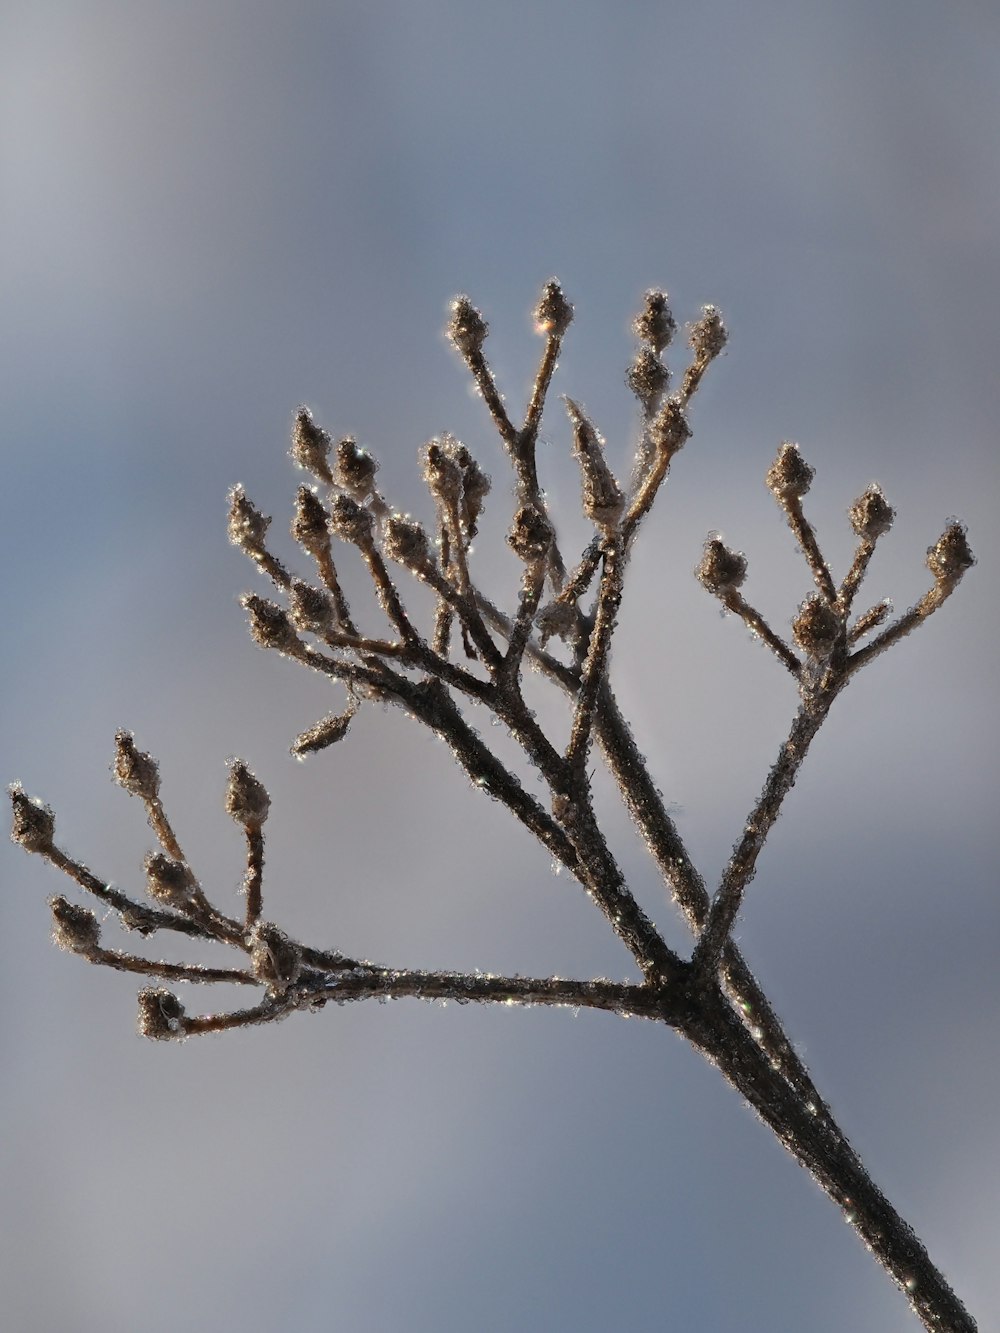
point(269, 624)
point(655, 324)
point(309, 608)
point(647, 377)
point(247, 525)
point(789, 476)
point(167, 881)
point(951, 555)
point(871, 514)
point(553, 314)
point(311, 446)
point(708, 335)
point(161, 1014)
point(721, 570)
point(247, 800)
point(310, 521)
point(350, 521)
point(442, 472)
point(34, 824)
point(530, 535)
point(275, 959)
point(602, 497)
point(466, 328)
point(475, 488)
point(326, 732)
point(670, 428)
point(355, 469)
point(405, 541)
point(817, 627)
point(74, 928)
point(135, 770)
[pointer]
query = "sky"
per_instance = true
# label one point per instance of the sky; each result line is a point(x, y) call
point(213, 212)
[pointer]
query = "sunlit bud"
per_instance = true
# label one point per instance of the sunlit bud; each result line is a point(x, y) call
point(275, 959)
point(871, 514)
point(406, 542)
point(135, 770)
point(669, 429)
point(721, 570)
point(161, 1014)
point(647, 377)
point(310, 522)
point(269, 624)
point(530, 535)
point(74, 928)
point(789, 476)
point(442, 472)
point(311, 446)
point(950, 556)
point(34, 824)
point(310, 609)
point(247, 800)
point(602, 496)
point(557, 620)
point(466, 328)
point(355, 469)
point(708, 335)
point(350, 521)
point(167, 881)
point(553, 314)
point(326, 732)
point(247, 525)
point(817, 627)
point(654, 324)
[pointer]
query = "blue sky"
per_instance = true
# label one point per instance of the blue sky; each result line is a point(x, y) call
point(213, 212)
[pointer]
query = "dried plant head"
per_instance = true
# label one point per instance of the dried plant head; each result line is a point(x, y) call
point(789, 476)
point(168, 881)
point(466, 327)
point(871, 514)
point(247, 800)
point(276, 960)
point(602, 496)
point(654, 323)
point(74, 928)
point(442, 470)
point(355, 469)
point(817, 627)
point(405, 541)
point(135, 770)
point(647, 377)
point(951, 555)
point(531, 534)
point(34, 824)
point(669, 430)
point(310, 609)
point(247, 525)
point(328, 731)
point(269, 624)
point(708, 335)
point(161, 1014)
point(721, 570)
point(351, 521)
point(311, 446)
point(553, 313)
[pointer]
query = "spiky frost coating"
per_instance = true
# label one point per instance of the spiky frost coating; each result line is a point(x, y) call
point(647, 377)
point(34, 824)
point(816, 627)
point(74, 928)
point(708, 335)
point(789, 476)
point(310, 609)
point(466, 328)
point(406, 542)
point(161, 1014)
point(247, 525)
point(951, 555)
point(135, 770)
point(167, 881)
point(871, 514)
point(554, 313)
point(655, 324)
point(276, 960)
point(269, 624)
point(311, 446)
point(247, 800)
point(721, 570)
point(530, 535)
point(326, 732)
point(355, 469)
point(350, 521)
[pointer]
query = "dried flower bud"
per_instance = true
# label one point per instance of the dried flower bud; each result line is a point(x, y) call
point(247, 800)
point(602, 496)
point(655, 324)
point(554, 313)
point(557, 620)
point(442, 472)
point(167, 881)
point(74, 928)
point(350, 521)
point(247, 525)
point(310, 609)
point(269, 624)
point(161, 1014)
point(669, 430)
point(817, 627)
point(275, 959)
point(310, 526)
point(789, 476)
point(708, 335)
point(135, 770)
point(871, 514)
point(647, 377)
point(34, 824)
point(326, 732)
point(467, 329)
point(951, 555)
point(405, 541)
point(311, 446)
point(355, 469)
point(530, 535)
point(475, 488)
point(721, 570)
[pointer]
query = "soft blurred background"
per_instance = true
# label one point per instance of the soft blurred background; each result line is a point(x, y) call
point(211, 212)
